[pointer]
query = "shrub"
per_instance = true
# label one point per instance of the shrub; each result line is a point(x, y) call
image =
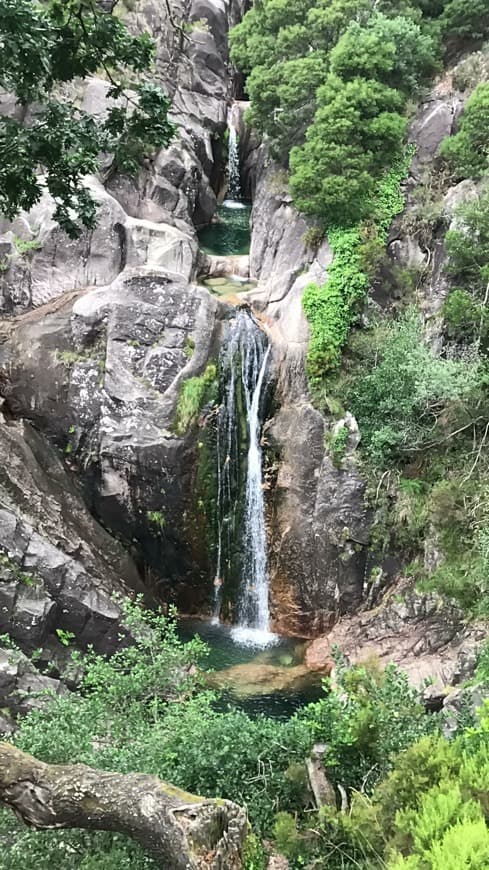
point(465, 318)
point(402, 403)
point(195, 393)
point(468, 151)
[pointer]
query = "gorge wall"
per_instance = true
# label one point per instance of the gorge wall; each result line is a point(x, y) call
point(98, 336)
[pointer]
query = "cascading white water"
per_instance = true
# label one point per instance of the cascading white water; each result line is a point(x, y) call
point(247, 352)
point(253, 608)
point(234, 197)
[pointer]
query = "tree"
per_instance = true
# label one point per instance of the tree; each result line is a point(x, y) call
point(180, 830)
point(394, 51)
point(44, 46)
point(461, 20)
point(357, 131)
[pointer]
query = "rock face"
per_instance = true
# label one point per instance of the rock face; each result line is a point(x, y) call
point(114, 326)
point(146, 221)
point(101, 377)
point(422, 633)
point(58, 567)
point(318, 526)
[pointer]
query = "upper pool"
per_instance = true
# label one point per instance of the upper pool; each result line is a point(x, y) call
point(229, 234)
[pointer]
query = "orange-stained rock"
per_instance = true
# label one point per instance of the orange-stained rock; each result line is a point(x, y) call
point(318, 656)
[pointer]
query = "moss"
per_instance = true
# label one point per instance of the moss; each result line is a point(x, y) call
point(194, 394)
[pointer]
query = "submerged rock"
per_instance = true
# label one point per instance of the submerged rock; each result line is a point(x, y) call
point(255, 678)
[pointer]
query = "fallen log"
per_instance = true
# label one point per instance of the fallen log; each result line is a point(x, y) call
point(180, 830)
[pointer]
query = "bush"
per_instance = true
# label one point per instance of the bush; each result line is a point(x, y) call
point(465, 319)
point(401, 403)
point(195, 393)
point(468, 151)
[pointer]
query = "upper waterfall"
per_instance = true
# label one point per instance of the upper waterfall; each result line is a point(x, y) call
point(234, 196)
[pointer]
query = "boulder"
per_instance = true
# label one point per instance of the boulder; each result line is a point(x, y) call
point(318, 656)
point(101, 376)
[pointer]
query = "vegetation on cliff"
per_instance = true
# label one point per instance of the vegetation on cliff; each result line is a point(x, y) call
point(45, 48)
point(421, 404)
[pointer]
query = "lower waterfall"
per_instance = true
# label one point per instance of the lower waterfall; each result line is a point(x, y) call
point(241, 539)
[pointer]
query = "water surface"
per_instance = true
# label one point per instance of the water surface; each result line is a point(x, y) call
point(225, 652)
point(230, 234)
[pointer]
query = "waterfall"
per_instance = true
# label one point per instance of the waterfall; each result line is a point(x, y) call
point(240, 503)
point(234, 195)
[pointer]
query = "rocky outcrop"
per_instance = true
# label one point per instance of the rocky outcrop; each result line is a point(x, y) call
point(101, 376)
point(422, 633)
point(147, 221)
point(318, 525)
point(59, 569)
point(284, 263)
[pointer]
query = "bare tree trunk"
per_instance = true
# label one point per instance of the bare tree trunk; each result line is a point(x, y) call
point(182, 831)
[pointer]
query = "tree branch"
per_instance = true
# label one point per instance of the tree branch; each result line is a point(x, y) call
point(181, 831)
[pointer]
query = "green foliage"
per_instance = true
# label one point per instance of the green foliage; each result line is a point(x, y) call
point(9, 565)
point(157, 519)
point(25, 246)
point(468, 244)
point(145, 709)
point(465, 310)
point(331, 308)
point(394, 51)
point(357, 132)
point(462, 20)
point(468, 151)
point(65, 637)
point(338, 445)
point(50, 44)
point(254, 855)
point(399, 402)
point(195, 393)
point(466, 320)
point(373, 715)
point(313, 237)
point(286, 835)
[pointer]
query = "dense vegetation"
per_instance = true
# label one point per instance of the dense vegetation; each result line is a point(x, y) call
point(44, 49)
point(147, 709)
point(350, 71)
point(330, 85)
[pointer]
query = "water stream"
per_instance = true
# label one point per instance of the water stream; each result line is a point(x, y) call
point(229, 233)
point(234, 195)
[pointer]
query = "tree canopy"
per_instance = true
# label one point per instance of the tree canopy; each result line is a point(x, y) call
point(43, 48)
